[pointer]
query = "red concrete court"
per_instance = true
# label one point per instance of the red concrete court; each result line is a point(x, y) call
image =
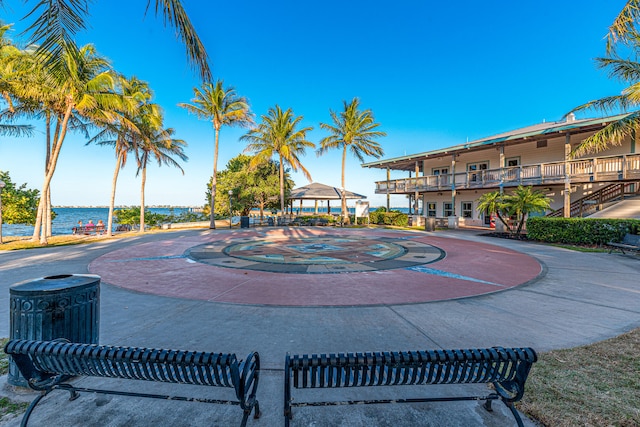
point(313, 267)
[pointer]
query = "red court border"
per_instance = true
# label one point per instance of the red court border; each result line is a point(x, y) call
point(160, 268)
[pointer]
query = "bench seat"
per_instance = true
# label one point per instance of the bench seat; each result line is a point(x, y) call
point(50, 365)
point(630, 242)
point(504, 368)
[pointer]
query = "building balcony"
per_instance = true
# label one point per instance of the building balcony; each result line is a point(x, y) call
point(597, 169)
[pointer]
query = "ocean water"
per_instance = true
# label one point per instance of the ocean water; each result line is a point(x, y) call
point(67, 218)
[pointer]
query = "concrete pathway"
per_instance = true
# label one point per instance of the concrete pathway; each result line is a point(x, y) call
point(579, 298)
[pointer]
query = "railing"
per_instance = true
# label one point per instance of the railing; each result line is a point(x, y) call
point(599, 169)
point(593, 202)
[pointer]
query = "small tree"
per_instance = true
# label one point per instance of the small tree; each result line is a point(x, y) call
point(493, 203)
point(524, 201)
point(19, 204)
point(518, 205)
point(252, 187)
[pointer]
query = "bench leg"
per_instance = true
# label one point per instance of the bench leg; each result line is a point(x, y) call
point(27, 414)
point(514, 411)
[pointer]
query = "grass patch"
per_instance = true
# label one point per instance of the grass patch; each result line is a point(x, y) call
point(4, 359)
point(579, 248)
point(7, 406)
point(594, 385)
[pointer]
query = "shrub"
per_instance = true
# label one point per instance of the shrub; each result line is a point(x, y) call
point(381, 217)
point(582, 231)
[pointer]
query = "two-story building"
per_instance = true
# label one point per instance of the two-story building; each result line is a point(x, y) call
point(447, 182)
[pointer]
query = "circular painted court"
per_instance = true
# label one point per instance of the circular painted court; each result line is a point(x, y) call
point(315, 267)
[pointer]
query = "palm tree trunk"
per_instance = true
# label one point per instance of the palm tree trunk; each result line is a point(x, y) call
point(281, 187)
point(112, 202)
point(144, 180)
point(214, 183)
point(48, 211)
point(49, 175)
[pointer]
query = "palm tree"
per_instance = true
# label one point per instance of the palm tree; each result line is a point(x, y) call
point(223, 107)
point(123, 134)
point(623, 32)
point(352, 130)
point(84, 90)
point(57, 21)
point(277, 134)
point(493, 202)
point(524, 201)
point(157, 144)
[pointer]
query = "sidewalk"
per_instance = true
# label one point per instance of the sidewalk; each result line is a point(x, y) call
point(580, 298)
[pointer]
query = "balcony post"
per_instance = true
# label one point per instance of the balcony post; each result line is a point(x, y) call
point(502, 165)
point(388, 183)
point(415, 193)
point(567, 177)
point(453, 184)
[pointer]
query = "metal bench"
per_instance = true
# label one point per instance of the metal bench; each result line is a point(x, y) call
point(505, 368)
point(49, 365)
point(630, 242)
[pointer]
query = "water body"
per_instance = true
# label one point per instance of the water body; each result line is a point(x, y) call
point(67, 218)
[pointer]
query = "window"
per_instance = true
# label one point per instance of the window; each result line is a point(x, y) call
point(442, 176)
point(431, 208)
point(480, 166)
point(511, 162)
point(467, 209)
point(447, 209)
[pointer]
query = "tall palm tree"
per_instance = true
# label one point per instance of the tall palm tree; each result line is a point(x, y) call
point(123, 134)
point(85, 90)
point(623, 32)
point(352, 130)
point(278, 134)
point(223, 107)
point(158, 144)
point(56, 23)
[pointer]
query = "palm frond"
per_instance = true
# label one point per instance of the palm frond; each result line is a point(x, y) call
point(623, 30)
point(55, 25)
point(174, 14)
point(612, 134)
point(16, 130)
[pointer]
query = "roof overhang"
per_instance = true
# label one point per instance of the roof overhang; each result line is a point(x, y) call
point(528, 134)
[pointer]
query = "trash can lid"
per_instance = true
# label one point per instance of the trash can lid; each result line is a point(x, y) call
point(56, 283)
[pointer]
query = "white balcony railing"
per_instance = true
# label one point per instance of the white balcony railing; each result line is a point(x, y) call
point(613, 168)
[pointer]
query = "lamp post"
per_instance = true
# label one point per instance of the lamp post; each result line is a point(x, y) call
point(2, 184)
point(230, 212)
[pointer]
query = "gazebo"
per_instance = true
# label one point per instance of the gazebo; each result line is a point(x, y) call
point(320, 192)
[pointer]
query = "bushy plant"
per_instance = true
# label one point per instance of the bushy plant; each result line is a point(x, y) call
point(382, 217)
point(579, 231)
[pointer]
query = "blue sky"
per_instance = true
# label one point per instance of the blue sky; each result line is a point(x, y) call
point(434, 74)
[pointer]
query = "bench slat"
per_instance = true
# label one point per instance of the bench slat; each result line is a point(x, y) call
point(506, 369)
point(47, 365)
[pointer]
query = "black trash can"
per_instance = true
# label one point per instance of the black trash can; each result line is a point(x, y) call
point(64, 306)
point(244, 222)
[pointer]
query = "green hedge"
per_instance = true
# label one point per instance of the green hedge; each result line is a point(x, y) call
point(389, 218)
point(585, 231)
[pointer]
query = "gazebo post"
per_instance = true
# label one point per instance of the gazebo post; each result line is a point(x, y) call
point(316, 207)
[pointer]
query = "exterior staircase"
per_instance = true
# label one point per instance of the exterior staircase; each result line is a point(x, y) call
point(595, 202)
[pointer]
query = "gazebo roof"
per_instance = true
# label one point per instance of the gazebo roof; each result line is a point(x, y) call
point(317, 191)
